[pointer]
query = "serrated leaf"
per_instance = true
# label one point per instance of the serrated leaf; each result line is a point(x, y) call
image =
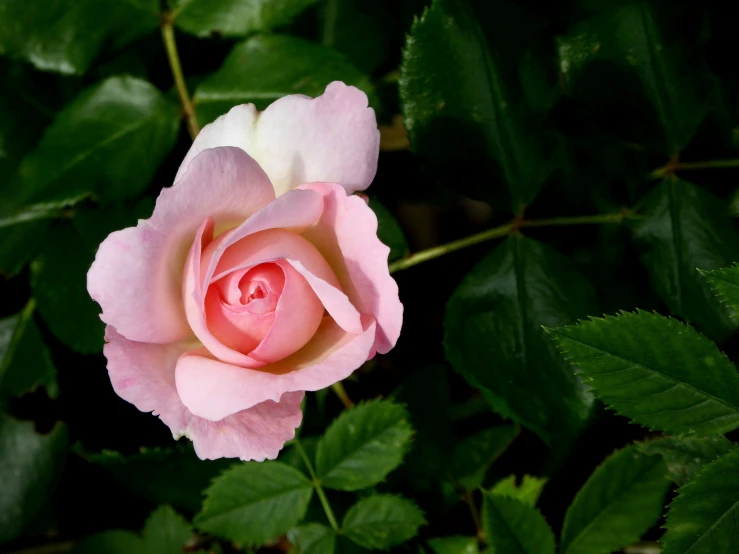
point(683, 227)
point(461, 105)
point(314, 538)
point(109, 542)
point(454, 545)
point(25, 362)
point(703, 517)
point(29, 468)
point(285, 65)
point(628, 34)
point(173, 476)
point(514, 527)
point(725, 283)
point(382, 521)
point(527, 491)
point(67, 35)
point(620, 501)
point(19, 244)
point(363, 445)
point(474, 455)
point(234, 18)
point(165, 532)
point(686, 456)
point(656, 370)
point(122, 129)
point(494, 336)
point(254, 502)
point(389, 231)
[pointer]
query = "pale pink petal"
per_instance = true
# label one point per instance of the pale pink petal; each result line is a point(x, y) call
point(236, 128)
point(137, 274)
point(332, 138)
point(213, 390)
point(346, 236)
point(143, 374)
point(337, 303)
point(298, 315)
point(258, 433)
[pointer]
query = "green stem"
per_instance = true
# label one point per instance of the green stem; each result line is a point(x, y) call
point(470, 501)
point(317, 484)
point(670, 168)
point(179, 79)
point(503, 230)
point(343, 396)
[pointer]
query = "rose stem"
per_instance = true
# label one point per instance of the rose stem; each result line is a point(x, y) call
point(317, 484)
point(503, 230)
point(174, 62)
point(343, 396)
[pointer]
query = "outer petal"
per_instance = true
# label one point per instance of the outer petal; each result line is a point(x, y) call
point(137, 274)
point(143, 374)
point(297, 139)
point(346, 235)
point(258, 433)
point(213, 390)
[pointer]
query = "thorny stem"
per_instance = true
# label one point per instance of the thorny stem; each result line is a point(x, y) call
point(317, 484)
point(502, 231)
point(174, 62)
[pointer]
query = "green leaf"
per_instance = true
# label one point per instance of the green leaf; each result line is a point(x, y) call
point(58, 282)
point(359, 30)
point(285, 65)
point(628, 34)
point(474, 455)
point(389, 231)
point(514, 527)
point(382, 521)
point(655, 370)
point(683, 227)
point(725, 283)
point(109, 542)
point(454, 545)
point(121, 130)
point(163, 476)
point(620, 501)
point(29, 468)
point(25, 362)
point(165, 532)
point(685, 456)
point(463, 110)
point(19, 244)
point(254, 502)
point(314, 538)
point(363, 445)
point(527, 491)
point(702, 519)
point(234, 18)
point(494, 335)
point(67, 35)
point(59, 274)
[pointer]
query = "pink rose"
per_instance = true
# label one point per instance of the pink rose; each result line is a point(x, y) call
point(256, 278)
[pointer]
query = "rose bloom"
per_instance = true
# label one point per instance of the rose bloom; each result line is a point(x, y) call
point(259, 276)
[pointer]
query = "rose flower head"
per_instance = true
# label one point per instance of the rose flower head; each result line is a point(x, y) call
point(259, 276)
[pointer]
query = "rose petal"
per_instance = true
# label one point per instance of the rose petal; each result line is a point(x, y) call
point(297, 318)
point(258, 433)
point(332, 138)
point(143, 374)
point(213, 390)
point(346, 236)
point(337, 303)
point(137, 274)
